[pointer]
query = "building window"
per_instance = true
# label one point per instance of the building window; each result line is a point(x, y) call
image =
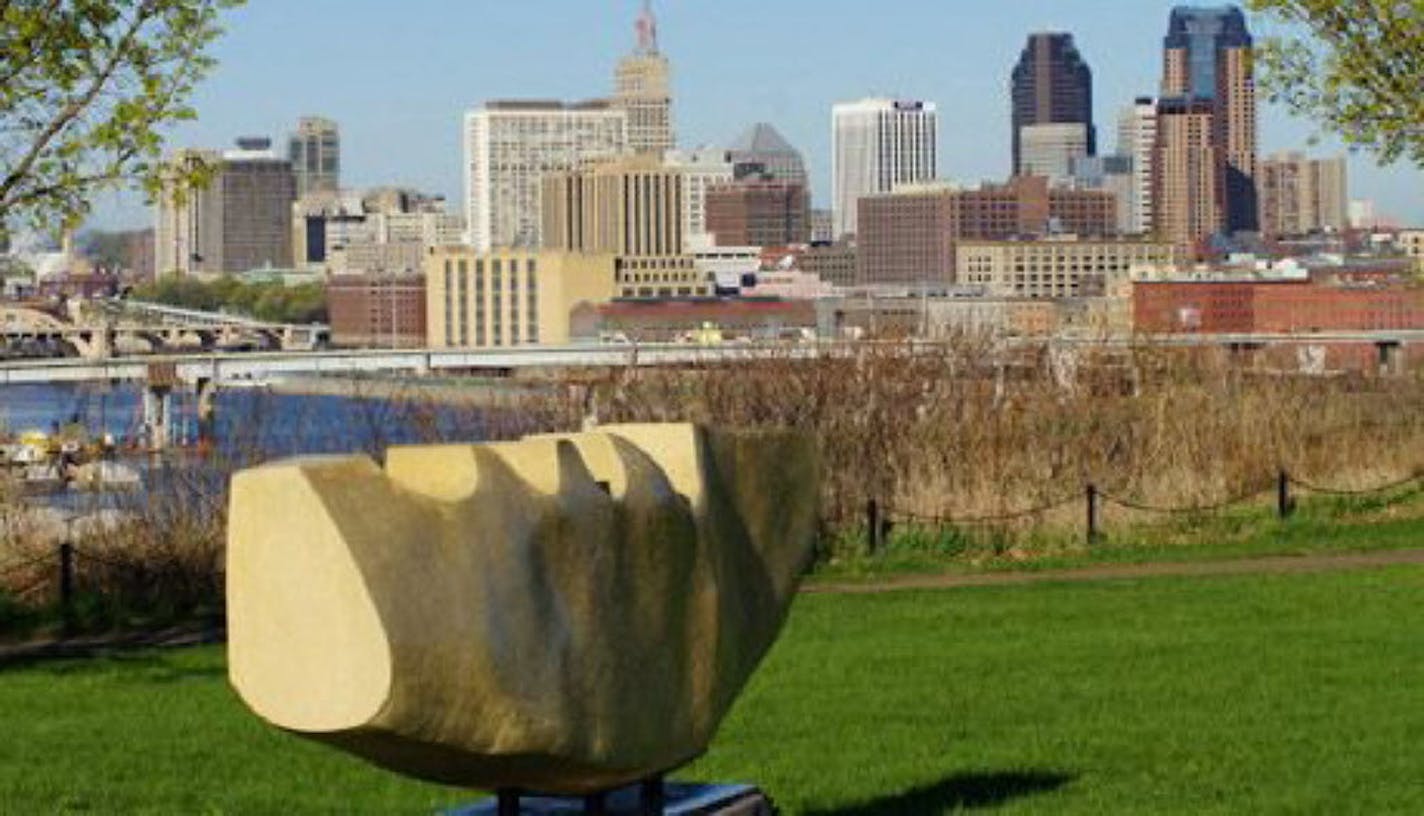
point(463, 285)
point(449, 304)
point(481, 332)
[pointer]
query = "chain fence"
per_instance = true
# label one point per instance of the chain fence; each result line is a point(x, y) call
point(881, 519)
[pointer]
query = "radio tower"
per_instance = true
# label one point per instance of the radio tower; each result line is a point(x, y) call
point(647, 30)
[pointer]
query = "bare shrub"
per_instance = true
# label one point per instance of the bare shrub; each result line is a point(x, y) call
point(967, 429)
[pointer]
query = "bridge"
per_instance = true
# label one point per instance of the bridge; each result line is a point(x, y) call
point(115, 326)
point(193, 369)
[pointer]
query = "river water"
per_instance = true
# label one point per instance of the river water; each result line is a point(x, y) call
point(250, 422)
point(253, 425)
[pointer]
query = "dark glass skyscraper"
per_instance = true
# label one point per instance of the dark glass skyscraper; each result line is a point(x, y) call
point(1208, 56)
point(1196, 40)
point(1052, 85)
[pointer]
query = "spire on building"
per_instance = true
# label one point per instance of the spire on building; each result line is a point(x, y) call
point(647, 27)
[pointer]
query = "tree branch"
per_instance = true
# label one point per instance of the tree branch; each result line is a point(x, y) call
point(75, 108)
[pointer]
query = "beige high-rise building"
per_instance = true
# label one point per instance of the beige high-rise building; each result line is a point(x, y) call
point(188, 227)
point(630, 208)
point(643, 88)
point(1137, 138)
point(1209, 57)
point(240, 222)
point(511, 145)
point(509, 298)
point(1187, 176)
point(1300, 195)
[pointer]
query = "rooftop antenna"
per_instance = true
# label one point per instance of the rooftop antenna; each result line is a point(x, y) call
point(647, 29)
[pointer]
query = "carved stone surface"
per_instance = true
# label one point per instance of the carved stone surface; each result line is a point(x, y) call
point(562, 614)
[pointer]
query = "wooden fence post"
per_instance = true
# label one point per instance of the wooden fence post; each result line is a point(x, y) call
point(1285, 506)
point(1092, 514)
point(873, 527)
point(66, 585)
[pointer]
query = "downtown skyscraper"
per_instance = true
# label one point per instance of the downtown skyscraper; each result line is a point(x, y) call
point(1208, 78)
point(1053, 101)
point(239, 221)
point(315, 153)
point(510, 146)
point(878, 145)
point(1137, 141)
point(643, 88)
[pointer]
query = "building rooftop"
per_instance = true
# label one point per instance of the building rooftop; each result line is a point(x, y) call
point(546, 105)
point(763, 138)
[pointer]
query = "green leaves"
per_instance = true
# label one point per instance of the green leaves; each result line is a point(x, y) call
point(1355, 66)
point(85, 88)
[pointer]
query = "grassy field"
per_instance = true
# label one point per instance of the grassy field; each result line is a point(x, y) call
point(1264, 694)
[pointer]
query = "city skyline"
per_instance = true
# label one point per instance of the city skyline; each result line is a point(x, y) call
point(399, 93)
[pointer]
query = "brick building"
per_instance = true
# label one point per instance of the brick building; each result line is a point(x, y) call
point(833, 263)
point(910, 236)
point(759, 213)
point(1273, 307)
point(377, 311)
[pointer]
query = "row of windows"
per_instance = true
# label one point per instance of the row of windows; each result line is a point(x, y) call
point(657, 292)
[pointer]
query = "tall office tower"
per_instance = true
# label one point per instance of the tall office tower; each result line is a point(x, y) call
point(877, 145)
point(1188, 175)
point(241, 221)
point(765, 152)
point(1300, 195)
point(511, 145)
point(1208, 57)
point(1137, 140)
point(315, 153)
point(1052, 85)
point(701, 170)
point(188, 222)
point(1052, 150)
point(630, 207)
point(643, 88)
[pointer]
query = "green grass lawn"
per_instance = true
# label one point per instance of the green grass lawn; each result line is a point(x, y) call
point(1263, 694)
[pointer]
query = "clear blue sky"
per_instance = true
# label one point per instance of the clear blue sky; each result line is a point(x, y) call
point(399, 75)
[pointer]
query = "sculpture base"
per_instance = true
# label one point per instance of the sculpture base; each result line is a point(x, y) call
point(678, 800)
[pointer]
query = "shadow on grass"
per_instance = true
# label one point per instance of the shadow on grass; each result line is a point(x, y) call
point(961, 792)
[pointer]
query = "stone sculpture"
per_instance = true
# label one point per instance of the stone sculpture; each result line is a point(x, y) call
point(565, 614)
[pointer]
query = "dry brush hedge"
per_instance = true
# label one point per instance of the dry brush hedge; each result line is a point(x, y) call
point(961, 429)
